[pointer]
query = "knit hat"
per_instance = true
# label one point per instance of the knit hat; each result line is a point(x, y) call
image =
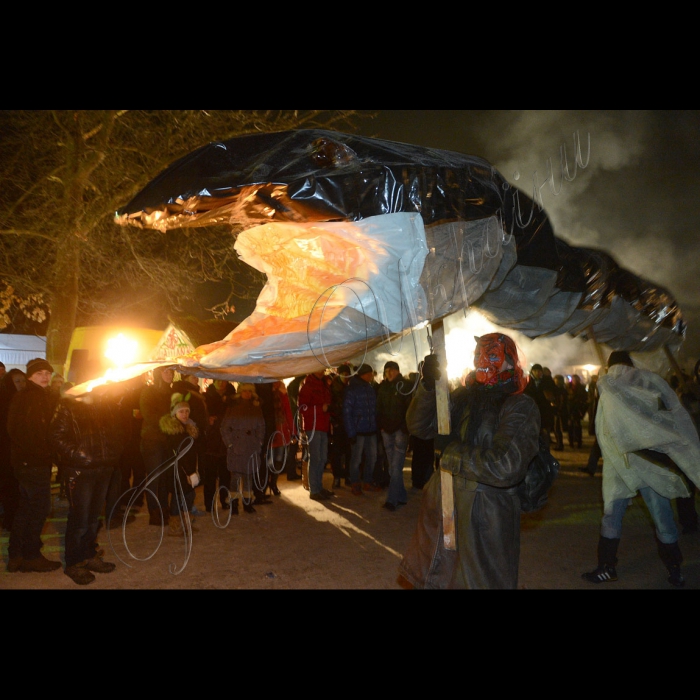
point(365, 369)
point(36, 365)
point(391, 365)
point(247, 387)
point(178, 401)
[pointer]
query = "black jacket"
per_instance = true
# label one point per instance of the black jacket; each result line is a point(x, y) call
point(28, 422)
point(87, 433)
point(393, 399)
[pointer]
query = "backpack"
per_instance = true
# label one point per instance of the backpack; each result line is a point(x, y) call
point(533, 490)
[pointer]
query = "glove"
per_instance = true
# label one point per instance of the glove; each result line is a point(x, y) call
point(430, 371)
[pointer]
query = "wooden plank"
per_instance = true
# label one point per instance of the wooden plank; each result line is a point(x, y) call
point(442, 388)
point(676, 368)
point(443, 415)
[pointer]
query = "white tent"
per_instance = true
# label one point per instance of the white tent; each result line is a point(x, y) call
point(16, 350)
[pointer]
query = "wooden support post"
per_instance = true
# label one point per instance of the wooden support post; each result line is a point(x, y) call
point(599, 351)
point(676, 368)
point(444, 428)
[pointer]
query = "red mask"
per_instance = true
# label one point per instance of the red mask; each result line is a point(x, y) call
point(489, 356)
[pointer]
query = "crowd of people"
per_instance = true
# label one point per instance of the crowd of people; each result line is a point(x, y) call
point(152, 442)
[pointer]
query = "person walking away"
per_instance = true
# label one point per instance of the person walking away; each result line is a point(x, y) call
point(645, 436)
point(155, 403)
point(87, 435)
point(177, 426)
point(314, 406)
point(360, 420)
point(28, 420)
point(12, 382)
point(243, 432)
point(217, 396)
point(494, 435)
point(393, 399)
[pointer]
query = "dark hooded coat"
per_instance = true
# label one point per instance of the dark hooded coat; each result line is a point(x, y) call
point(487, 508)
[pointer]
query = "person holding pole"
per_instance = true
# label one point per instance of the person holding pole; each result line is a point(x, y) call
point(494, 435)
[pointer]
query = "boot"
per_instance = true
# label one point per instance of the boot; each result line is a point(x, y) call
point(40, 564)
point(607, 559)
point(175, 528)
point(672, 558)
point(178, 525)
point(273, 479)
point(156, 518)
point(291, 469)
point(234, 506)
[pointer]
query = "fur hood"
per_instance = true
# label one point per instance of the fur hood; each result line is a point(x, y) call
point(172, 426)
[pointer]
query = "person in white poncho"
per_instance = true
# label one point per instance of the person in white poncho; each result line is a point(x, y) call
point(646, 437)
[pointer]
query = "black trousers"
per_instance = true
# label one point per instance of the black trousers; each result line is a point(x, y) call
point(422, 461)
point(339, 452)
point(33, 507)
point(215, 469)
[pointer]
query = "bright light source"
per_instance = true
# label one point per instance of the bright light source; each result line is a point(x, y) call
point(460, 342)
point(121, 350)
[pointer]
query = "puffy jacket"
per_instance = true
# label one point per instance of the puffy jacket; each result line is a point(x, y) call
point(360, 408)
point(87, 433)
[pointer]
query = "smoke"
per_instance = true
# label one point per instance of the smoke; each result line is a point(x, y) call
point(562, 354)
point(636, 198)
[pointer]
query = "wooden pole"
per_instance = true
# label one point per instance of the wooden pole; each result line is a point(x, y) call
point(676, 368)
point(599, 351)
point(443, 414)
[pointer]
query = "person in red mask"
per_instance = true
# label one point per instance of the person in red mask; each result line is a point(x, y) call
point(494, 436)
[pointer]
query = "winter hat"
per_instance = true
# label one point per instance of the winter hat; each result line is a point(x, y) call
point(36, 365)
point(391, 365)
point(177, 401)
point(365, 369)
point(247, 387)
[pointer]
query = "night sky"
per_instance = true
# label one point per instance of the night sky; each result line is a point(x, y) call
point(637, 199)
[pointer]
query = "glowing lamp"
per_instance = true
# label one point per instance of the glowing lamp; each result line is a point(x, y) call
point(121, 350)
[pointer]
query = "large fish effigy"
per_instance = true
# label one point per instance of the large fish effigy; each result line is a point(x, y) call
point(363, 240)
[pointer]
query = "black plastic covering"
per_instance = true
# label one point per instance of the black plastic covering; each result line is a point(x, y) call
point(320, 175)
